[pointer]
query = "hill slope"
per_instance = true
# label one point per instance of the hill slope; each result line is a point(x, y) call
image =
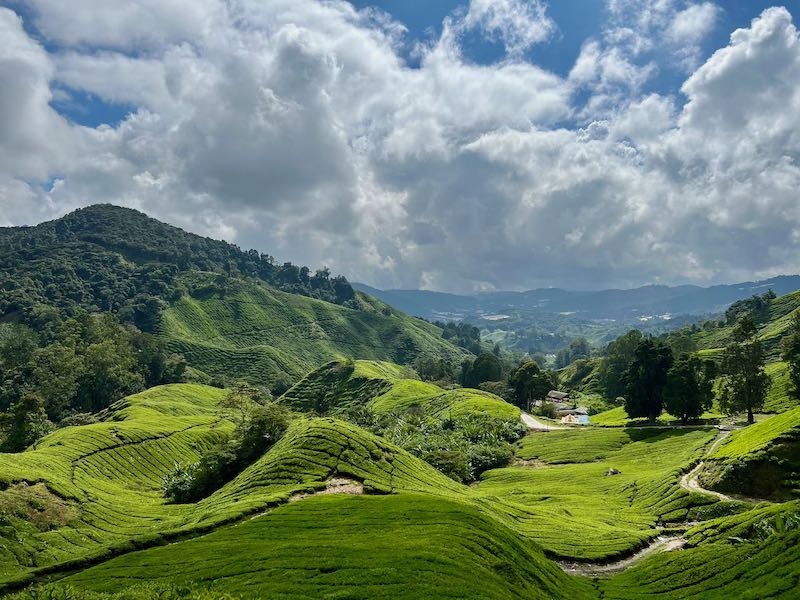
point(231, 313)
point(384, 388)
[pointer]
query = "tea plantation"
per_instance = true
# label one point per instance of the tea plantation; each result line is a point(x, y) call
point(83, 515)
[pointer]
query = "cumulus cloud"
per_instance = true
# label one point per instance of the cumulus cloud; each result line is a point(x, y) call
point(296, 127)
point(518, 24)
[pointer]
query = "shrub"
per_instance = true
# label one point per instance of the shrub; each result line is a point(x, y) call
point(258, 431)
point(483, 457)
point(452, 463)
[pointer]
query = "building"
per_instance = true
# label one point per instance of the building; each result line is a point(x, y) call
point(575, 416)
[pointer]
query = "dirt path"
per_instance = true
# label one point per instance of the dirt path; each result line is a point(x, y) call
point(689, 480)
point(537, 425)
point(660, 544)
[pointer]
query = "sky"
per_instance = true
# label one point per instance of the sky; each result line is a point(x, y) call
point(450, 145)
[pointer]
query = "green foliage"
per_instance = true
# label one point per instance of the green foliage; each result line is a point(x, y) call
point(617, 357)
point(432, 368)
point(577, 349)
point(646, 379)
point(80, 364)
point(689, 390)
point(25, 422)
point(745, 383)
point(107, 258)
point(530, 384)
point(791, 353)
point(487, 367)
point(259, 427)
point(462, 335)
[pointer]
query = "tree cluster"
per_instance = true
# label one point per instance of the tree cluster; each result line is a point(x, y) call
point(757, 307)
point(462, 335)
point(106, 258)
point(68, 366)
point(577, 349)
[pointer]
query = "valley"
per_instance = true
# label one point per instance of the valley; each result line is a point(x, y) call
point(302, 453)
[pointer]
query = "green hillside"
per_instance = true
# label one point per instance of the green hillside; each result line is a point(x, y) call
point(232, 314)
point(384, 388)
point(256, 332)
point(87, 492)
point(341, 511)
point(754, 555)
point(355, 547)
point(762, 460)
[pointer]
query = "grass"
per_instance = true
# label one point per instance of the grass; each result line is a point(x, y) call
point(385, 388)
point(577, 510)
point(755, 438)
point(356, 547)
point(751, 555)
point(255, 332)
point(579, 446)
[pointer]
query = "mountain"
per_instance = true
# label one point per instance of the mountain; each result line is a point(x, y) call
point(601, 304)
point(550, 318)
point(232, 314)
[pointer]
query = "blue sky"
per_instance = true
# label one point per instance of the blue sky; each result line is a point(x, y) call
point(488, 144)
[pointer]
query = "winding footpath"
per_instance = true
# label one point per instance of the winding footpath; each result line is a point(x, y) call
point(598, 569)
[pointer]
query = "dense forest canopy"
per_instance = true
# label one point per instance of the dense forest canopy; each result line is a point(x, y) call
point(108, 258)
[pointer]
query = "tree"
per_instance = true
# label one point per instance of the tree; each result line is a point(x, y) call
point(530, 383)
point(242, 399)
point(24, 423)
point(615, 362)
point(745, 384)
point(689, 390)
point(487, 367)
point(578, 348)
point(791, 352)
point(646, 379)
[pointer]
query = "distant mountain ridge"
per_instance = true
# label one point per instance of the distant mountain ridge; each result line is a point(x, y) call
point(601, 304)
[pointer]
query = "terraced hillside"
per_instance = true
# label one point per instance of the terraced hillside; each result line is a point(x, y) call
point(86, 493)
point(384, 388)
point(232, 314)
point(771, 328)
point(339, 511)
point(753, 555)
point(256, 332)
point(357, 547)
point(762, 460)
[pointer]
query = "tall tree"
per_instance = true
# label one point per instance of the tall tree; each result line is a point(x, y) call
point(689, 390)
point(791, 353)
point(530, 383)
point(487, 367)
point(745, 384)
point(615, 362)
point(646, 379)
point(23, 424)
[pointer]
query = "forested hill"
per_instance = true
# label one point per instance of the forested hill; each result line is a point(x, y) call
point(108, 258)
point(231, 314)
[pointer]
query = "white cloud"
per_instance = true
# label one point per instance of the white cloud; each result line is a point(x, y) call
point(126, 24)
point(296, 127)
point(518, 24)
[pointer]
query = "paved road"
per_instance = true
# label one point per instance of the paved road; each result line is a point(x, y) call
point(538, 425)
